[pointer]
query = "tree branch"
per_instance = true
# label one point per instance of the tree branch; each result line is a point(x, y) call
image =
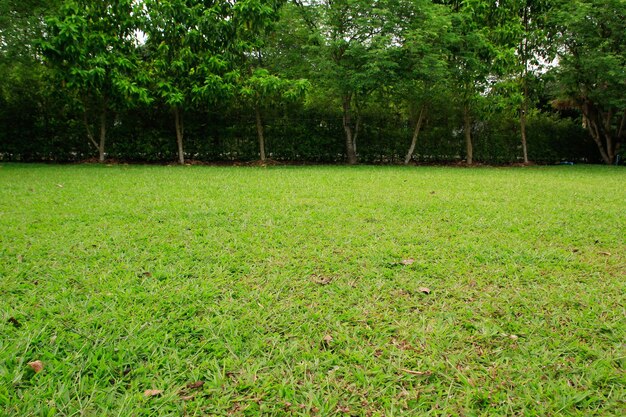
point(89, 132)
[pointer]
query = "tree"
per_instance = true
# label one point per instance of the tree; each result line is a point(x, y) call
point(592, 68)
point(481, 51)
point(194, 48)
point(353, 50)
point(24, 90)
point(258, 87)
point(261, 88)
point(523, 26)
point(424, 68)
point(186, 53)
point(92, 47)
point(533, 51)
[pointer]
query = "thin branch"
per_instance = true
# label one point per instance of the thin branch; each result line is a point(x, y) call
point(89, 132)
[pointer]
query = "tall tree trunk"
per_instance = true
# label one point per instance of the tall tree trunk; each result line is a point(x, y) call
point(594, 125)
point(89, 132)
point(103, 133)
point(597, 138)
point(178, 122)
point(416, 132)
point(259, 131)
point(524, 107)
point(608, 135)
point(100, 145)
point(522, 124)
point(467, 128)
point(357, 129)
point(346, 100)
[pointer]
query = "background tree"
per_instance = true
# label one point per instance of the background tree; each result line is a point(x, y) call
point(424, 67)
point(535, 50)
point(481, 50)
point(261, 89)
point(219, 71)
point(353, 47)
point(187, 44)
point(592, 68)
point(257, 86)
point(24, 89)
point(92, 47)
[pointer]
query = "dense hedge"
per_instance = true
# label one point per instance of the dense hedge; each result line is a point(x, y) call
point(298, 134)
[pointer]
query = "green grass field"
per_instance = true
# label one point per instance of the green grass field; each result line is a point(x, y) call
point(297, 291)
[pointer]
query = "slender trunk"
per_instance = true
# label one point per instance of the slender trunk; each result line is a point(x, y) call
point(522, 118)
point(524, 108)
point(608, 134)
point(522, 124)
point(179, 135)
point(89, 132)
point(467, 128)
point(357, 129)
point(416, 132)
point(103, 133)
point(259, 130)
point(610, 150)
point(347, 127)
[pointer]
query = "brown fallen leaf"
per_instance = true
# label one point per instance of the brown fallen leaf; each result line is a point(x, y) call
point(14, 322)
point(409, 261)
point(321, 279)
point(194, 385)
point(420, 373)
point(152, 392)
point(36, 366)
point(187, 397)
point(605, 253)
point(326, 340)
point(343, 409)
point(424, 290)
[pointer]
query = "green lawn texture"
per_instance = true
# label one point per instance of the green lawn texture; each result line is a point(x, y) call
point(297, 291)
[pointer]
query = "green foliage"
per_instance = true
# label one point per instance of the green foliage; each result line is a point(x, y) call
point(93, 49)
point(186, 59)
point(261, 87)
point(592, 68)
point(593, 63)
point(312, 71)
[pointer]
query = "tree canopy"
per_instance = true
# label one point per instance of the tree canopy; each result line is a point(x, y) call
point(337, 81)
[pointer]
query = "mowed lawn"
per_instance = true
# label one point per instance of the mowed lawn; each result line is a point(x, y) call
point(351, 291)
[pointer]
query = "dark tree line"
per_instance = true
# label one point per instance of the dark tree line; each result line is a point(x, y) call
point(377, 81)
